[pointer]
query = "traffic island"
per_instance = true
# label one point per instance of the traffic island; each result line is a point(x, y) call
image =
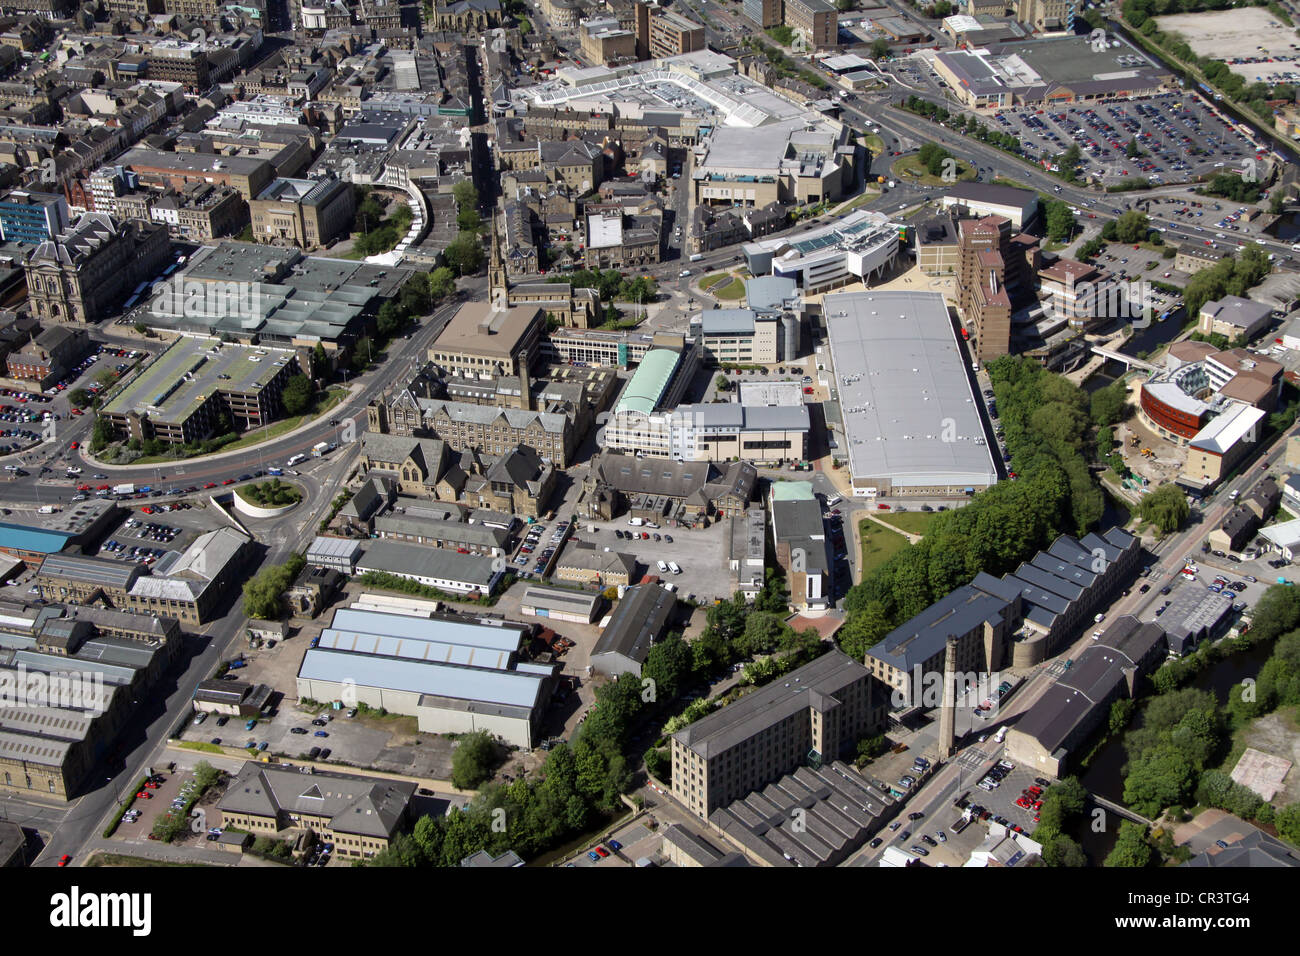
point(267, 499)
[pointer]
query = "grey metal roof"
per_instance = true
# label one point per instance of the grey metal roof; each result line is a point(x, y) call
point(396, 557)
point(639, 620)
point(468, 684)
point(926, 635)
point(98, 571)
point(559, 599)
point(756, 712)
point(486, 633)
point(1085, 690)
point(322, 547)
point(905, 392)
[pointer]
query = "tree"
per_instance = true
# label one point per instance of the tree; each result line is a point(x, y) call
point(263, 592)
point(102, 434)
point(722, 383)
point(1132, 226)
point(1107, 404)
point(465, 194)
point(79, 397)
point(1131, 848)
point(1060, 221)
point(1132, 150)
point(442, 283)
point(297, 394)
point(472, 760)
point(1161, 779)
point(468, 219)
point(320, 362)
point(863, 630)
point(1166, 508)
point(362, 353)
point(141, 328)
point(465, 254)
point(1062, 851)
point(668, 664)
point(879, 48)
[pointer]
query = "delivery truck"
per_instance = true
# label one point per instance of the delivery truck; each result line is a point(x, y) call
point(319, 449)
point(124, 489)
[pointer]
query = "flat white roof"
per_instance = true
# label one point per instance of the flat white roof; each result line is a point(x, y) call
point(905, 393)
point(1227, 429)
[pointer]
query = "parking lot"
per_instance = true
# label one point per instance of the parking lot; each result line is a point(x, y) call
point(1252, 41)
point(703, 554)
point(146, 538)
point(1181, 137)
point(168, 790)
point(1000, 802)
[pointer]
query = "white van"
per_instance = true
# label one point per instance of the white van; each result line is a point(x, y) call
point(674, 567)
point(47, 509)
point(663, 568)
point(636, 522)
point(1001, 734)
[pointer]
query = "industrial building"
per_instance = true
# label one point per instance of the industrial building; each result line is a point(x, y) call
point(811, 716)
point(810, 817)
point(1019, 620)
point(664, 491)
point(642, 616)
point(560, 604)
point(454, 674)
point(1112, 668)
point(433, 567)
point(73, 676)
point(905, 396)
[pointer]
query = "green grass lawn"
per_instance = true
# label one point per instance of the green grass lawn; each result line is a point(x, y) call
point(713, 279)
point(910, 168)
point(874, 143)
point(878, 545)
point(122, 859)
point(913, 522)
point(870, 193)
point(734, 289)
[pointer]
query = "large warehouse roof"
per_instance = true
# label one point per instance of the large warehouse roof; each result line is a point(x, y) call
point(904, 391)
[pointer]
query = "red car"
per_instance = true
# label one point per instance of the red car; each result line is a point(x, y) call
point(101, 488)
point(602, 851)
point(229, 481)
point(65, 860)
point(210, 484)
point(147, 510)
point(882, 507)
point(76, 411)
point(808, 390)
point(144, 795)
point(75, 445)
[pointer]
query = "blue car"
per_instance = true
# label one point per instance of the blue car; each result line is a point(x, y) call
point(322, 733)
point(593, 856)
point(614, 845)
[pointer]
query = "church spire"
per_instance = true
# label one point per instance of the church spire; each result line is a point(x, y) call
point(499, 290)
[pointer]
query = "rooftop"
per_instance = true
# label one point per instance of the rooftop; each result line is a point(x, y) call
point(904, 390)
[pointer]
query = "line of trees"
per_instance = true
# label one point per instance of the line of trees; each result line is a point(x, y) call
point(1047, 425)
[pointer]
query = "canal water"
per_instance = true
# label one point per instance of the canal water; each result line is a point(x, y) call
point(1286, 228)
point(1105, 773)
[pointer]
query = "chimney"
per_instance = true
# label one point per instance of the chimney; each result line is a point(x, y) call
point(525, 381)
point(948, 715)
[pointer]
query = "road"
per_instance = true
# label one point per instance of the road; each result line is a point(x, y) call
point(963, 768)
point(76, 826)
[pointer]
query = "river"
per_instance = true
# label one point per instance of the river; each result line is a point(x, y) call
point(1104, 775)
